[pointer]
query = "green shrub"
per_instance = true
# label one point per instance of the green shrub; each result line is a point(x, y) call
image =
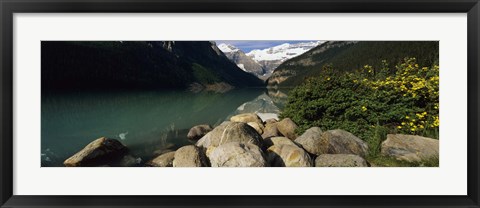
point(370, 102)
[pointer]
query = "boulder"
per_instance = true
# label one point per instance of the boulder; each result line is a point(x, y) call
point(271, 130)
point(266, 116)
point(159, 152)
point(270, 141)
point(288, 156)
point(209, 150)
point(198, 131)
point(246, 118)
point(257, 126)
point(287, 127)
point(271, 121)
point(99, 152)
point(340, 160)
point(189, 156)
point(164, 160)
point(235, 154)
point(410, 148)
point(311, 140)
point(229, 132)
point(342, 142)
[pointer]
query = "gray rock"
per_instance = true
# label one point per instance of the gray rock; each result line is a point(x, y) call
point(189, 156)
point(229, 132)
point(410, 148)
point(340, 160)
point(342, 142)
point(198, 131)
point(287, 127)
point(246, 118)
point(270, 141)
point(311, 140)
point(164, 160)
point(258, 127)
point(288, 156)
point(99, 152)
point(235, 154)
point(271, 121)
point(271, 130)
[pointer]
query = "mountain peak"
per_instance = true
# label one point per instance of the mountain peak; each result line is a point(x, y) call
point(227, 48)
point(282, 52)
point(262, 62)
point(243, 61)
point(282, 46)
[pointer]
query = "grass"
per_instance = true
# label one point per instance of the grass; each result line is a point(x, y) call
point(384, 161)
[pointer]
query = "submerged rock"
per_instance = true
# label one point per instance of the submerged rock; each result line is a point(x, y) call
point(229, 132)
point(164, 160)
point(49, 158)
point(189, 156)
point(311, 140)
point(342, 142)
point(235, 154)
point(198, 131)
point(340, 160)
point(129, 161)
point(288, 156)
point(287, 127)
point(101, 151)
point(410, 148)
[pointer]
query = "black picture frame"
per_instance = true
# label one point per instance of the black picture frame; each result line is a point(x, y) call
point(9, 7)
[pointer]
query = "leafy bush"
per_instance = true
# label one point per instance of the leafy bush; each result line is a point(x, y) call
point(370, 102)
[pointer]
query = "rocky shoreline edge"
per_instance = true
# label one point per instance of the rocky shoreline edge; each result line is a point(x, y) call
point(247, 141)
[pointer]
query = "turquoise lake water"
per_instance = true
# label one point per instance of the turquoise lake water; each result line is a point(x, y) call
point(144, 121)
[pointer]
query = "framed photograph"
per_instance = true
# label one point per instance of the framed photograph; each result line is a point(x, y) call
point(270, 103)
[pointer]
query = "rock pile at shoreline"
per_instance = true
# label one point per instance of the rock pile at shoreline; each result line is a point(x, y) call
point(247, 141)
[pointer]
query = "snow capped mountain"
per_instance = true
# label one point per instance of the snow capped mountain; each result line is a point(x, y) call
point(262, 62)
point(227, 48)
point(243, 61)
point(271, 58)
point(282, 52)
